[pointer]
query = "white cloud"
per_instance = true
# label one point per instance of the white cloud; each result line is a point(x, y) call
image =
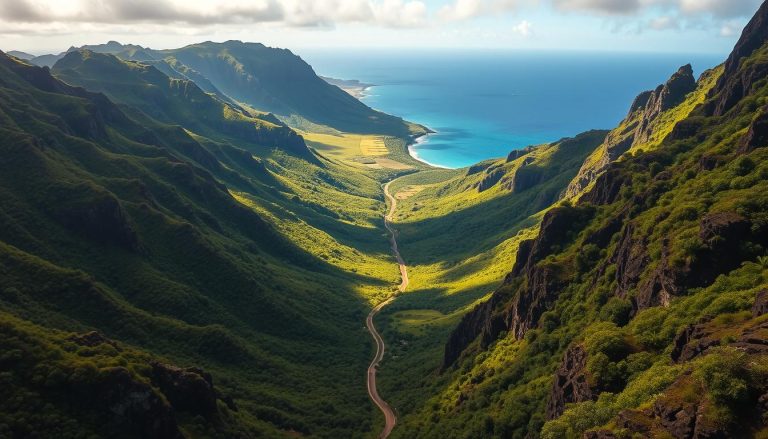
point(598, 6)
point(719, 8)
point(731, 28)
point(714, 8)
point(524, 28)
point(461, 10)
point(396, 13)
point(664, 22)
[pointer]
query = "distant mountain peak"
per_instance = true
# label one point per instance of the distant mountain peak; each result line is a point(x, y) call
point(21, 55)
point(739, 79)
point(754, 36)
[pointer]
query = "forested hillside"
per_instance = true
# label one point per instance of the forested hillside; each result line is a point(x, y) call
point(156, 228)
point(636, 305)
point(191, 241)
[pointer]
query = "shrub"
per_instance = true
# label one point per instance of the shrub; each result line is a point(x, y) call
point(616, 310)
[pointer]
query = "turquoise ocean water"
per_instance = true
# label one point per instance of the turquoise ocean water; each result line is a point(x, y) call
point(483, 104)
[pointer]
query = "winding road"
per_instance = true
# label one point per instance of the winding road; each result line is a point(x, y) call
point(390, 419)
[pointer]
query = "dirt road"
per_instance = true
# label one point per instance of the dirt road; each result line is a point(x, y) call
point(390, 419)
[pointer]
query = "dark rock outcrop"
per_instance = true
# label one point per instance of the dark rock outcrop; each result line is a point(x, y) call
point(738, 80)
point(607, 187)
point(480, 320)
point(723, 235)
point(753, 339)
point(723, 227)
point(525, 178)
point(93, 339)
point(757, 134)
point(665, 282)
point(528, 290)
point(640, 102)
point(637, 128)
point(133, 406)
point(478, 168)
point(691, 342)
point(516, 154)
point(556, 229)
point(94, 213)
point(631, 258)
point(697, 339)
point(190, 389)
point(760, 307)
point(492, 176)
point(681, 412)
point(678, 418)
point(570, 384)
point(710, 162)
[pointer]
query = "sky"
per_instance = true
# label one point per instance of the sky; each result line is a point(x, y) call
point(675, 26)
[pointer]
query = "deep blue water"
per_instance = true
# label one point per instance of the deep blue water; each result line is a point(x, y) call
point(484, 104)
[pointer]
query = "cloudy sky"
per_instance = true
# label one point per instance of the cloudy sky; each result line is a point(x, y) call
point(706, 26)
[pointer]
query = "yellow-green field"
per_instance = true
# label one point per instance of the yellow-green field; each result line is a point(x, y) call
point(416, 321)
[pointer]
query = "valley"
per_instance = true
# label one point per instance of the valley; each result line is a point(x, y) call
point(213, 241)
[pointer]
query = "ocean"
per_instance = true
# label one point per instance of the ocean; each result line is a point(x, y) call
point(483, 104)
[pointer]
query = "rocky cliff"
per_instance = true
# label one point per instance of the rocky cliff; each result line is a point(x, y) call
point(638, 128)
point(644, 300)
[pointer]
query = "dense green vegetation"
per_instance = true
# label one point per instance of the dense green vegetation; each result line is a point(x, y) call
point(184, 254)
point(260, 77)
point(171, 237)
point(651, 298)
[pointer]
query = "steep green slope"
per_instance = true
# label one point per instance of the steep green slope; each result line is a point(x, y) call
point(458, 232)
point(651, 118)
point(175, 101)
point(175, 247)
point(263, 78)
point(278, 81)
point(639, 310)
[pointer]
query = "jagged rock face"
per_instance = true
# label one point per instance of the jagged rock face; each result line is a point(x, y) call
point(555, 229)
point(539, 285)
point(757, 135)
point(607, 187)
point(570, 383)
point(478, 168)
point(664, 283)
point(516, 154)
point(480, 320)
point(602, 237)
point(691, 342)
point(737, 80)
point(491, 178)
point(640, 101)
point(697, 339)
point(631, 258)
point(646, 108)
point(525, 178)
point(723, 235)
point(665, 97)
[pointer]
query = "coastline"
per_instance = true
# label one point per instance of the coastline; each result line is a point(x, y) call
point(420, 140)
point(354, 87)
point(360, 90)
